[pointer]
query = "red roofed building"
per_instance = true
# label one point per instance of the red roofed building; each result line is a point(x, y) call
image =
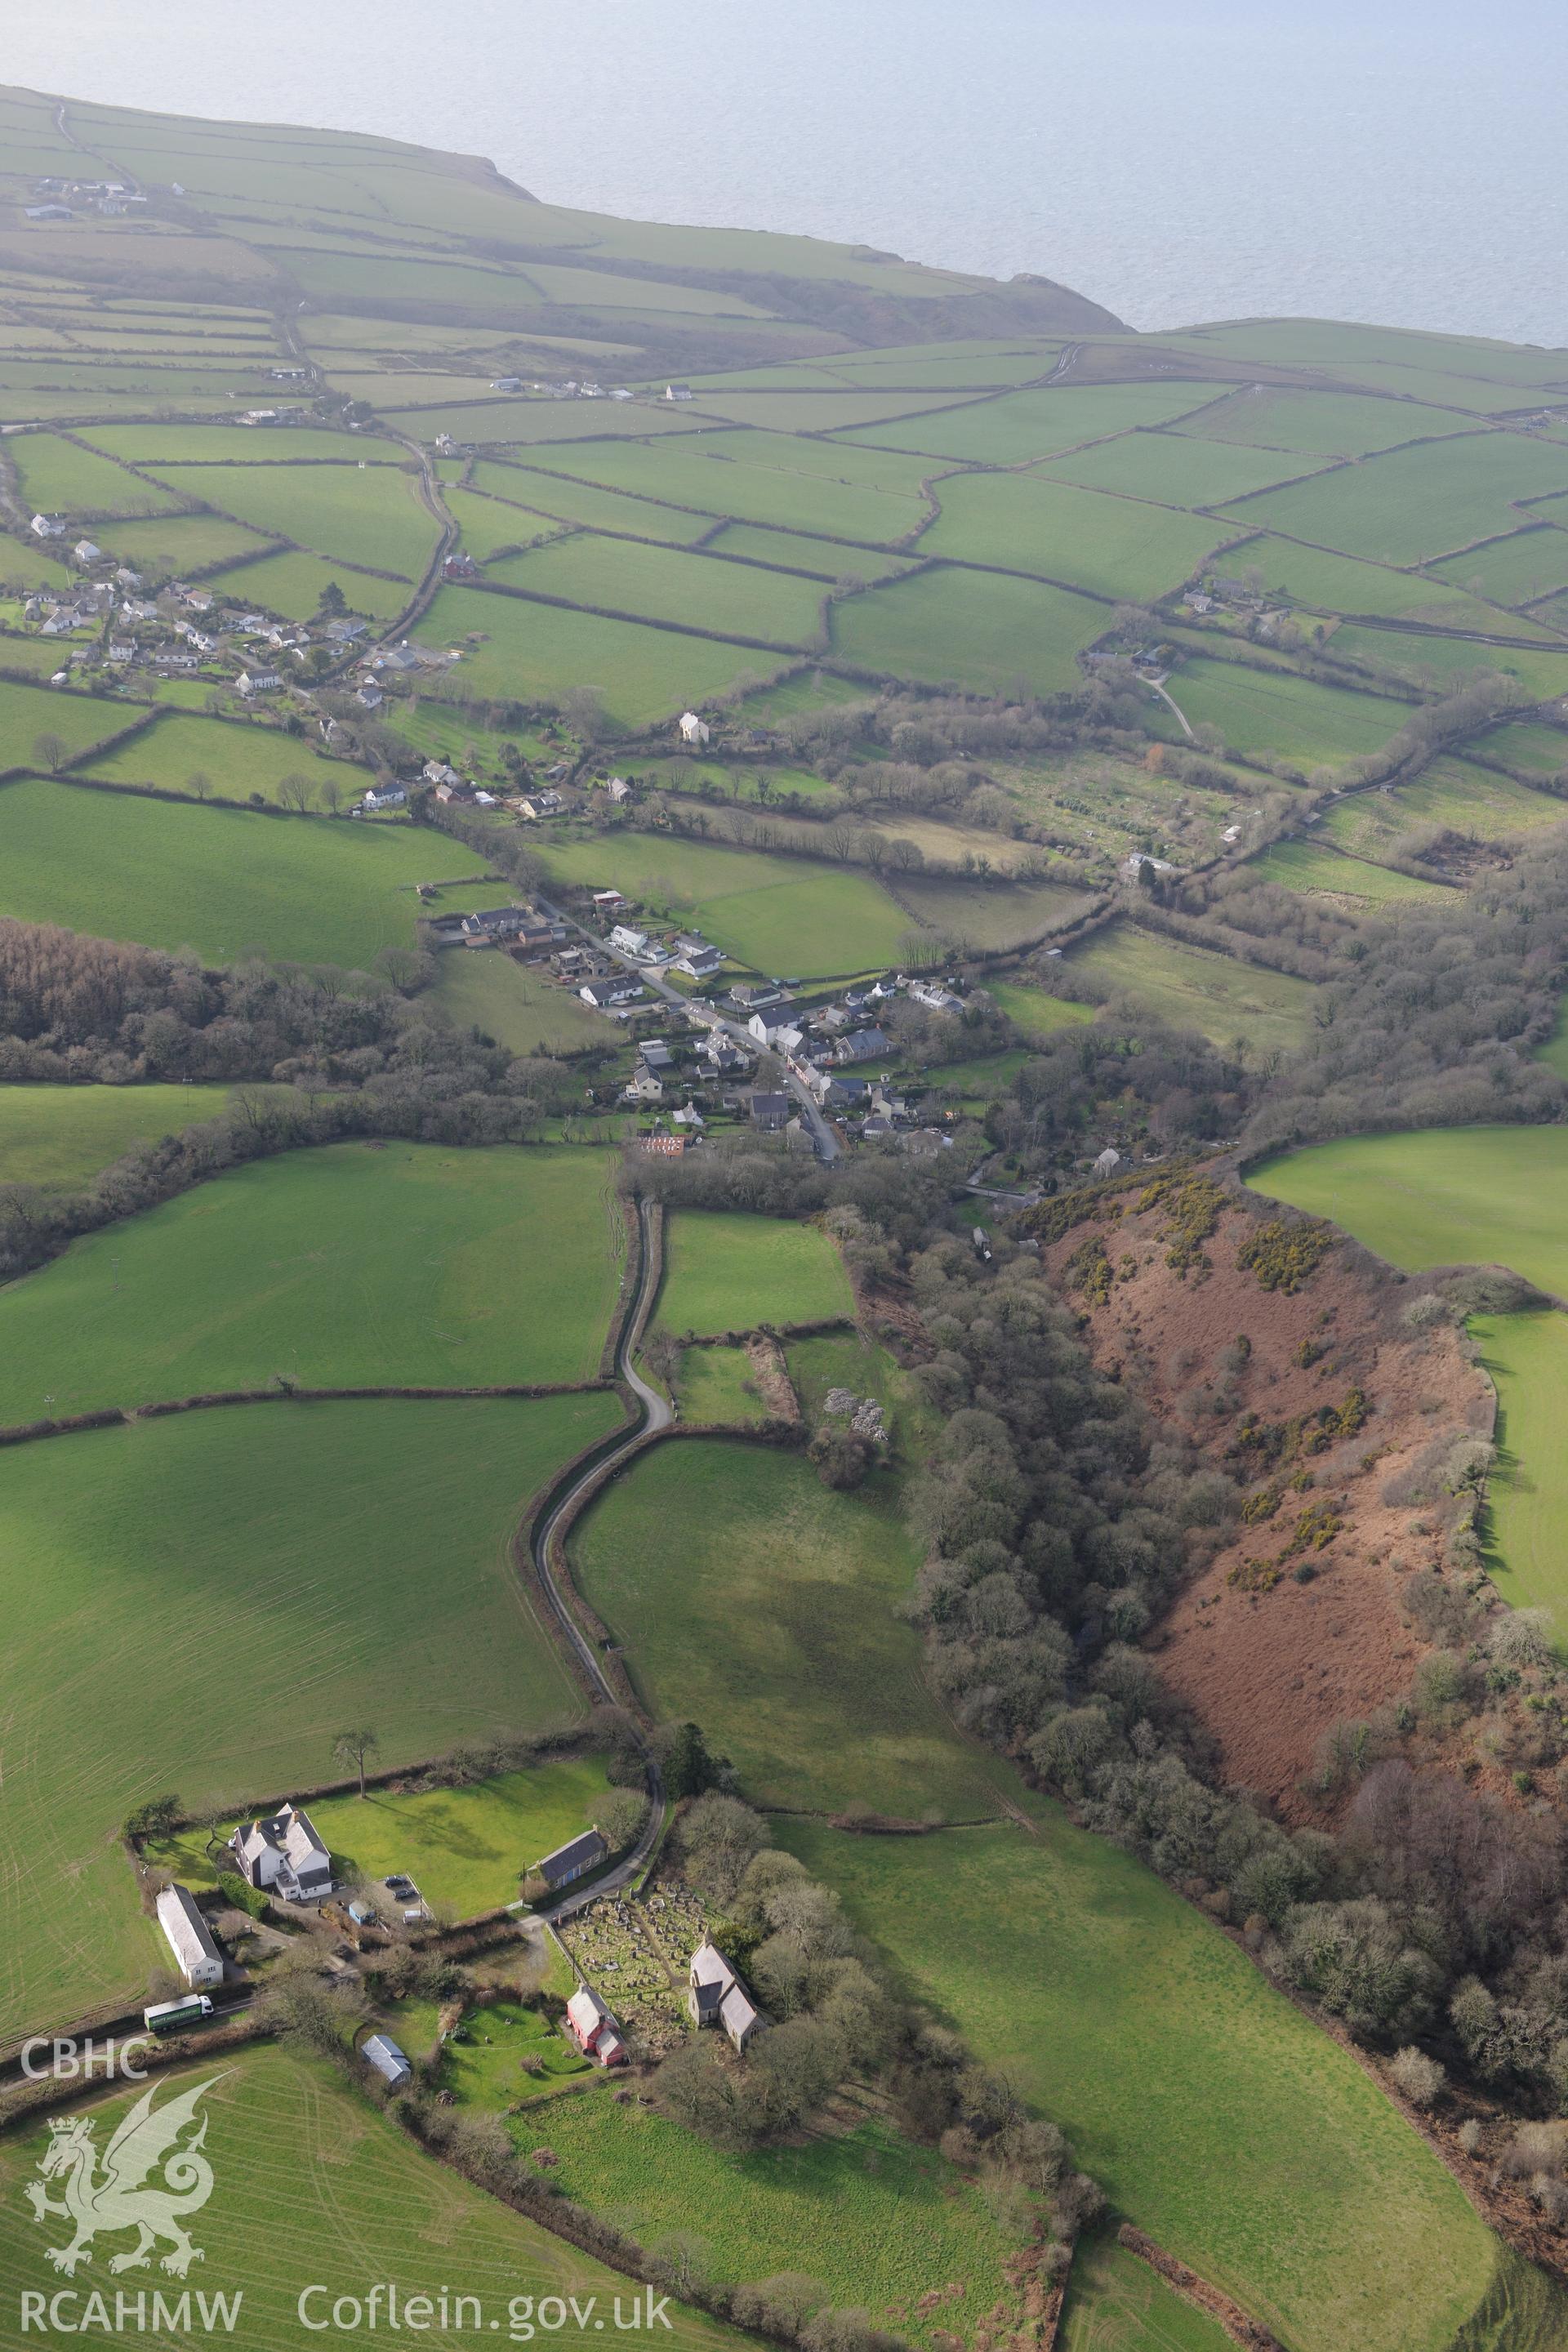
point(593, 2029)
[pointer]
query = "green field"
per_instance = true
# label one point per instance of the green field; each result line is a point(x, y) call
point(518, 650)
point(724, 1271)
point(1527, 1494)
point(1446, 1196)
point(222, 881)
point(58, 1138)
point(555, 496)
point(1217, 2116)
point(375, 518)
point(1035, 1010)
point(301, 2164)
point(464, 1848)
point(237, 759)
point(488, 527)
point(751, 1597)
point(1323, 871)
point(1274, 710)
point(1343, 583)
point(742, 476)
point(1324, 423)
point(1533, 750)
point(1173, 469)
point(140, 1564)
point(1192, 988)
point(1117, 2304)
point(291, 586)
point(795, 552)
point(1119, 547)
point(55, 475)
point(1024, 424)
point(717, 1388)
point(1527, 564)
point(520, 1011)
point(252, 444)
point(79, 720)
point(978, 629)
point(1470, 801)
point(779, 914)
point(1449, 663)
point(664, 584)
point(1412, 504)
point(880, 2221)
point(180, 543)
point(500, 1272)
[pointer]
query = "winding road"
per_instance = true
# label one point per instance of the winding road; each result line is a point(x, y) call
point(654, 1412)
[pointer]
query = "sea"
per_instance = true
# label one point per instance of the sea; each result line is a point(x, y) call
point(1392, 161)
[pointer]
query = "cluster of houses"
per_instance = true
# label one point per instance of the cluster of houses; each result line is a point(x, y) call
point(56, 199)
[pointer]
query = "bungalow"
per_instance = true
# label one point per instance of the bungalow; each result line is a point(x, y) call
point(370, 696)
point(394, 796)
point(283, 1853)
point(935, 998)
point(383, 2053)
point(694, 729)
point(345, 631)
point(715, 1996)
point(770, 1112)
point(572, 1860)
point(606, 901)
point(615, 988)
point(594, 2027)
point(657, 1055)
point(755, 996)
point(189, 1938)
point(534, 805)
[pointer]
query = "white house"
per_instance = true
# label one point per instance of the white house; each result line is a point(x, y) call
point(258, 681)
point(48, 526)
point(1108, 1161)
point(694, 729)
point(678, 391)
point(628, 941)
point(189, 1938)
point(284, 1853)
point(392, 797)
point(86, 550)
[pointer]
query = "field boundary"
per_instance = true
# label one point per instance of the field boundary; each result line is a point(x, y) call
point(114, 1416)
point(1220, 2307)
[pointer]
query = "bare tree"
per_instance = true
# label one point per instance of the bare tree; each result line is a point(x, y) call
point(51, 751)
point(198, 784)
point(352, 1748)
point(294, 791)
point(331, 796)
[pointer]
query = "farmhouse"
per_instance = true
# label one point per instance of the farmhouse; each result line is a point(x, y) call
point(383, 2053)
point(392, 797)
point(595, 2031)
point(694, 729)
point(48, 526)
point(678, 391)
point(283, 1854)
point(189, 1938)
point(715, 1996)
point(572, 1860)
point(257, 681)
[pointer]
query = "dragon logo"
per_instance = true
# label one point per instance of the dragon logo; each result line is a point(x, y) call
point(118, 2198)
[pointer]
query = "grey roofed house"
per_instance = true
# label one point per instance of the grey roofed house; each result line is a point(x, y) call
point(863, 1045)
point(284, 1853)
point(715, 1996)
point(738, 2016)
point(189, 1937)
point(770, 1112)
point(383, 2053)
point(572, 1860)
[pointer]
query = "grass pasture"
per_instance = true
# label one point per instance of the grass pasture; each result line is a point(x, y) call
point(57, 476)
point(1410, 506)
point(1034, 1010)
point(227, 445)
point(1527, 1494)
point(880, 2221)
point(1173, 468)
point(1274, 710)
point(515, 1006)
point(557, 498)
point(1449, 663)
point(1194, 989)
point(515, 650)
point(1320, 424)
point(1119, 547)
point(1325, 582)
point(502, 1272)
point(1217, 2116)
point(291, 585)
point(1024, 424)
point(1117, 2304)
point(1526, 565)
point(717, 1386)
point(59, 1136)
point(237, 758)
point(80, 721)
point(375, 518)
point(1319, 869)
point(222, 881)
point(1532, 750)
point(1445, 1196)
point(179, 544)
point(664, 584)
point(788, 916)
point(724, 1271)
point(981, 631)
point(1470, 801)
point(293, 2149)
point(308, 1535)
point(766, 485)
point(750, 1597)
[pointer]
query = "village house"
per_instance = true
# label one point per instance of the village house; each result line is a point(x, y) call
point(605, 902)
point(251, 681)
point(534, 805)
point(595, 2030)
point(863, 1046)
point(690, 1117)
point(678, 391)
point(628, 941)
point(283, 1856)
point(370, 696)
point(715, 1996)
point(645, 1085)
point(48, 526)
point(615, 988)
point(383, 2053)
point(87, 551)
point(189, 1937)
point(934, 997)
point(696, 959)
point(394, 796)
point(574, 1860)
point(723, 1052)
point(694, 729)
point(770, 1112)
point(460, 794)
point(756, 996)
